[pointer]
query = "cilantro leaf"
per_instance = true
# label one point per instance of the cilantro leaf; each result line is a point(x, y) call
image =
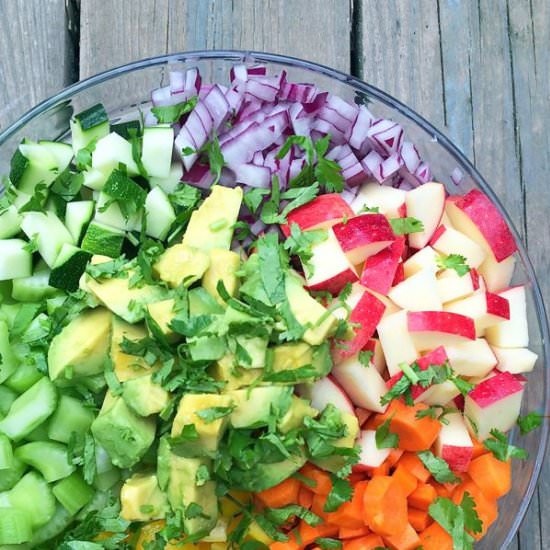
point(327, 172)
point(327, 543)
point(188, 433)
point(32, 245)
point(273, 267)
point(463, 386)
point(452, 518)
point(185, 195)
point(436, 412)
point(83, 157)
point(341, 492)
point(38, 199)
point(501, 449)
point(384, 438)
point(437, 467)
point(253, 198)
point(172, 113)
point(299, 243)
point(369, 209)
point(214, 413)
point(299, 196)
point(530, 422)
point(291, 376)
point(108, 270)
point(215, 158)
point(280, 516)
point(454, 261)
point(404, 226)
point(365, 357)
point(202, 475)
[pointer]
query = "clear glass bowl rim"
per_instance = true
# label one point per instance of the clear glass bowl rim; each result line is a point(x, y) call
point(383, 97)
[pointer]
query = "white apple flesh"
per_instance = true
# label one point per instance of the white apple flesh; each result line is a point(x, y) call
point(513, 333)
point(447, 241)
point(515, 360)
point(377, 359)
point(418, 292)
point(452, 286)
point(497, 275)
point(325, 392)
point(454, 444)
point(472, 358)
point(389, 201)
point(430, 329)
point(425, 203)
point(426, 258)
point(370, 456)
point(396, 341)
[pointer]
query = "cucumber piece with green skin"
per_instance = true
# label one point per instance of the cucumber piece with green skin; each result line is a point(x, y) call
point(73, 493)
point(16, 260)
point(23, 378)
point(77, 217)
point(69, 267)
point(9, 362)
point(128, 129)
point(156, 153)
point(159, 214)
point(49, 232)
point(102, 239)
point(89, 125)
point(15, 526)
point(7, 397)
point(29, 410)
point(34, 288)
point(48, 457)
point(111, 151)
point(10, 222)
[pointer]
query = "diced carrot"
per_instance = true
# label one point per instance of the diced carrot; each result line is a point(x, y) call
point(318, 505)
point(479, 449)
point(322, 481)
point(415, 434)
point(346, 533)
point(422, 496)
point(385, 506)
point(414, 465)
point(486, 508)
point(435, 537)
point(305, 497)
point(406, 540)
point(382, 470)
point(394, 456)
point(280, 495)
point(406, 480)
point(370, 542)
point(441, 490)
point(350, 514)
point(308, 533)
point(463, 476)
point(290, 544)
point(419, 519)
point(491, 475)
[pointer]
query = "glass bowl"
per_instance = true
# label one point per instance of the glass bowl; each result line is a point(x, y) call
point(124, 90)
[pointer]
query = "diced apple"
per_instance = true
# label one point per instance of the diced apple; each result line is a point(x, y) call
point(452, 286)
point(485, 308)
point(497, 275)
point(494, 403)
point(380, 269)
point(362, 415)
point(439, 394)
point(378, 360)
point(423, 259)
point(326, 391)
point(513, 333)
point(363, 385)
point(515, 360)
point(430, 329)
point(478, 218)
point(447, 240)
point(370, 456)
point(391, 307)
point(389, 201)
point(396, 341)
point(472, 358)
point(425, 203)
point(418, 292)
point(321, 213)
point(330, 269)
point(454, 444)
point(363, 236)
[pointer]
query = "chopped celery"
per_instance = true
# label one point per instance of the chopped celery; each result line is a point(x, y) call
point(7, 397)
point(10, 476)
point(15, 526)
point(73, 493)
point(49, 458)
point(59, 522)
point(6, 453)
point(23, 378)
point(70, 416)
point(8, 363)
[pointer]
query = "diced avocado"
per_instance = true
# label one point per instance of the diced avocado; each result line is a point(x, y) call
point(127, 366)
point(210, 433)
point(309, 312)
point(83, 345)
point(255, 348)
point(123, 434)
point(207, 348)
point(235, 377)
point(181, 264)
point(128, 303)
point(294, 417)
point(183, 491)
point(141, 499)
point(291, 356)
point(201, 302)
point(334, 463)
point(162, 313)
point(145, 397)
point(256, 407)
point(211, 225)
point(224, 265)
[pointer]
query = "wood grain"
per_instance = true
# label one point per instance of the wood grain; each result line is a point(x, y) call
point(35, 54)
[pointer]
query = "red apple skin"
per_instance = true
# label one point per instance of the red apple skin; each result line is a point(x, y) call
point(474, 275)
point(335, 284)
point(322, 212)
point(338, 396)
point(495, 388)
point(459, 402)
point(441, 321)
point(366, 313)
point(438, 232)
point(379, 270)
point(362, 230)
point(458, 458)
point(402, 211)
point(497, 305)
point(399, 275)
point(485, 215)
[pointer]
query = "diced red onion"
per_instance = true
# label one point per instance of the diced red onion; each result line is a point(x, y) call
point(457, 175)
point(319, 102)
point(258, 158)
point(323, 128)
point(373, 162)
point(423, 173)
point(296, 166)
point(349, 194)
point(343, 108)
point(177, 81)
point(199, 176)
point(161, 97)
point(150, 119)
point(387, 136)
point(253, 175)
point(218, 106)
point(235, 99)
point(262, 88)
point(192, 82)
point(391, 166)
point(185, 140)
point(360, 128)
point(410, 156)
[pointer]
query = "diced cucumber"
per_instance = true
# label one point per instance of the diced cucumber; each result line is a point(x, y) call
point(89, 125)
point(159, 213)
point(10, 222)
point(112, 150)
point(25, 376)
point(156, 153)
point(57, 524)
point(77, 217)
point(29, 410)
point(9, 362)
point(95, 179)
point(103, 239)
point(15, 526)
point(62, 152)
point(49, 458)
point(112, 216)
point(9, 312)
point(170, 183)
point(35, 287)
point(56, 205)
point(67, 185)
point(54, 302)
point(70, 416)
point(7, 397)
point(69, 267)
point(73, 493)
point(6, 453)
point(127, 129)
point(49, 232)
point(5, 293)
point(15, 260)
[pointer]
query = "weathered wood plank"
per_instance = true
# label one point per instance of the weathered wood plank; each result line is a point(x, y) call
point(35, 60)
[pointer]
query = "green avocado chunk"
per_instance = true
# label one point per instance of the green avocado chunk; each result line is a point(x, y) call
point(256, 407)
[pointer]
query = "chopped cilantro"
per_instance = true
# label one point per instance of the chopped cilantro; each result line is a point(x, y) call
point(365, 358)
point(172, 113)
point(125, 192)
point(273, 266)
point(501, 449)
point(404, 226)
point(202, 475)
point(83, 157)
point(437, 467)
point(454, 261)
point(530, 422)
point(38, 199)
point(327, 543)
point(341, 492)
point(108, 270)
point(213, 413)
point(299, 243)
point(253, 198)
point(384, 438)
point(437, 412)
point(215, 158)
point(32, 245)
point(367, 209)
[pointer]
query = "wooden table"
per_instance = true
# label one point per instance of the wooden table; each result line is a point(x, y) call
point(477, 69)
